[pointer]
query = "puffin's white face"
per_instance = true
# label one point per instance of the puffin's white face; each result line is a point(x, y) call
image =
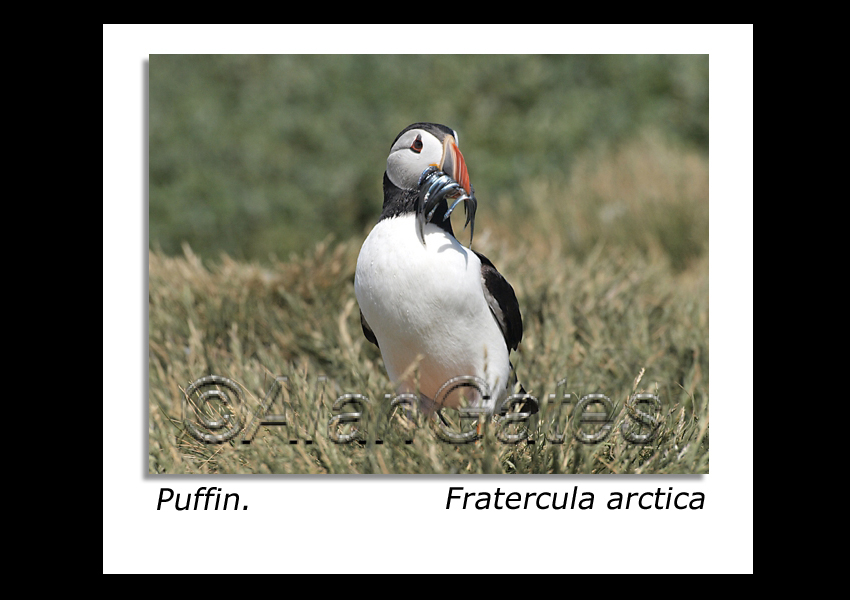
point(416, 150)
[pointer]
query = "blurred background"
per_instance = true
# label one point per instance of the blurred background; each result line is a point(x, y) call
point(261, 156)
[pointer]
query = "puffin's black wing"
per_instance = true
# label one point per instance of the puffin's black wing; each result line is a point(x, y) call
point(505, 308)
point(503, 303)
point(367, 331)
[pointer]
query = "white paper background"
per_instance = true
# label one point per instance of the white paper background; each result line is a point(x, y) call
point(303, 524)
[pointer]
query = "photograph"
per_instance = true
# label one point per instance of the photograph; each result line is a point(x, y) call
point(428, 264)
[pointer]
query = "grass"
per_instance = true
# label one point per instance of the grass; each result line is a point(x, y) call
point(610, 266)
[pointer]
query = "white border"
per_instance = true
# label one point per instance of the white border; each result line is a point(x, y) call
point(294, 525)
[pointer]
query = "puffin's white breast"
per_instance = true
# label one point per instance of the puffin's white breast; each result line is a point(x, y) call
point(428, 303)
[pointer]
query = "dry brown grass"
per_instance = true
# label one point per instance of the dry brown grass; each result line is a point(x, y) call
point(611, 272)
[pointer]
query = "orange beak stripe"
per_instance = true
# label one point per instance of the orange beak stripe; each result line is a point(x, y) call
point(454, 165)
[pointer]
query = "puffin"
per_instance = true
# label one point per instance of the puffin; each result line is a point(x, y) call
point(443, 317)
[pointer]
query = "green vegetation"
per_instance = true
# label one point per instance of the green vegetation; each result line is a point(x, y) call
point(592, 178)
point(260, 155)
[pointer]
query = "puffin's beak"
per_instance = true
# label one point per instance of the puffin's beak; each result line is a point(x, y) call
point(453, 164)
point(434, 187)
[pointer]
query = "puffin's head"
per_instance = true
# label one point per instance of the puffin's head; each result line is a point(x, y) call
point(424, 145)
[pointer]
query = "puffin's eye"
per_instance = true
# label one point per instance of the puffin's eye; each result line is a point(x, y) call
point(416, 146)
